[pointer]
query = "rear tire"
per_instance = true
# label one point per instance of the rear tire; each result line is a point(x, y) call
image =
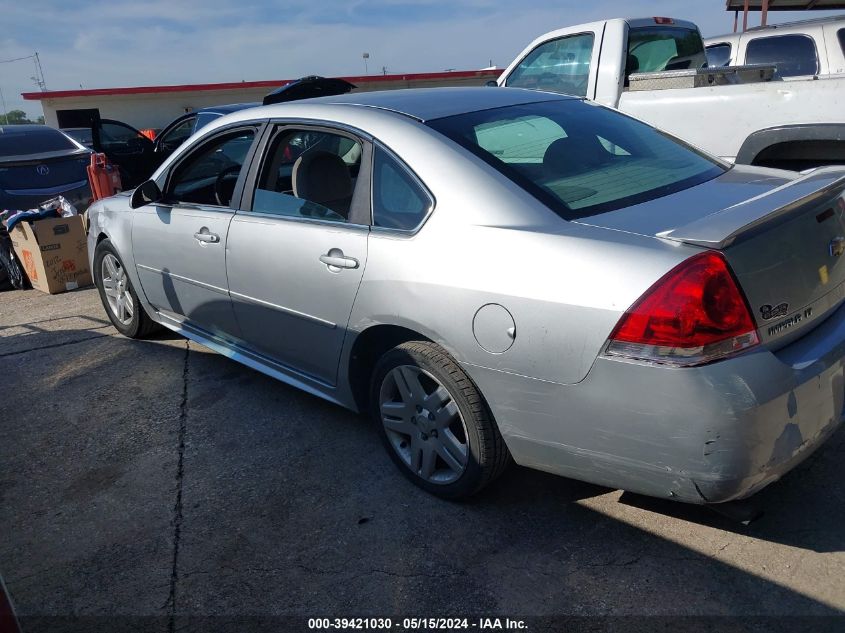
point(117, 294)
point(434, 422)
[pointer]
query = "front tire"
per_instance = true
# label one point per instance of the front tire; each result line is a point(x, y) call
point(434, 422)
point(117, 294)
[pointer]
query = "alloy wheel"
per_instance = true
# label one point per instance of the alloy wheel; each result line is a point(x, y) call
point(116, 288)
point(423, 424)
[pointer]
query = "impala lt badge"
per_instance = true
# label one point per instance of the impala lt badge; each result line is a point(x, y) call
point(837, 246)
point(42, 170)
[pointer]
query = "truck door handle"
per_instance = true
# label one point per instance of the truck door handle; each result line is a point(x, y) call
point(336, 259)
point(208, 238)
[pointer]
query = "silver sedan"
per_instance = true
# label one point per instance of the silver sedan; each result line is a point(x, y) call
point(502, 274)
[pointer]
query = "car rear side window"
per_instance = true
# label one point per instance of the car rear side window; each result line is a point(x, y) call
point(561, 65)
point(579, 158)
point(309, 174)
point(794, 55)
point(718, 55)
point(25, 141)
point(399, 202)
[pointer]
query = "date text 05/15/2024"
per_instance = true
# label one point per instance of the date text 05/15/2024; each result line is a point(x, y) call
point(417, 624)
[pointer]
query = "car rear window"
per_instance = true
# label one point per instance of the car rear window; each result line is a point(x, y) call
point(25, 141)
point(794, 55)
point(577, 157)
point(654, 49)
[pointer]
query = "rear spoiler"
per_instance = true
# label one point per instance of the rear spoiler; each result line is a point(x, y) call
point(721, 229)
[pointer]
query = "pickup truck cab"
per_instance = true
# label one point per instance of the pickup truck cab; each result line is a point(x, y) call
point(799, 49)
point(656, 69)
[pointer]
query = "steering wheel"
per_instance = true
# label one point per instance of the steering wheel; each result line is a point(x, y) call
point(227, 174)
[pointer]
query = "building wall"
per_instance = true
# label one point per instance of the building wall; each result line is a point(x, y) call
point(156, 109)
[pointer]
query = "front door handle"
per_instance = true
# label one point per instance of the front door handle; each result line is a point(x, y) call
point(336, 259)
point(208, 238)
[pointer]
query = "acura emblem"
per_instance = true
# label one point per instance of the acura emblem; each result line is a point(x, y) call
point(42, 170)
point(837, 246)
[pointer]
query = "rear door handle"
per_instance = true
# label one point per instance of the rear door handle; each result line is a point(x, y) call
point(336, 259)
point(208, 238)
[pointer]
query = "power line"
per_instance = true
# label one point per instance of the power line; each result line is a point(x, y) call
point(16, 59)
point(39, 71)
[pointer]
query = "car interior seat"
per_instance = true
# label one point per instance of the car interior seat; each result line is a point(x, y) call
point(323, 178)
point(571, 155)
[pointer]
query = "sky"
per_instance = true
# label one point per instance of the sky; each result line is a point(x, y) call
point(96, 44)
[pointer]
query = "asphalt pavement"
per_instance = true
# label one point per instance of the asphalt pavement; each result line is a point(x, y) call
point(157, 483)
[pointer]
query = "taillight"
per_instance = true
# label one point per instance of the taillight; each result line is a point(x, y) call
point(694, 314)
point(664, 21)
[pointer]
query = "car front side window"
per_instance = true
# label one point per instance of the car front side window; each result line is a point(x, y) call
point(561, 65)
point(117, 137)
point(209, 174)
point(173, 138)
point(309, 174)
point(718, 55)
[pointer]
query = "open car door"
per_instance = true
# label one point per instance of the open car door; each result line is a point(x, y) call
point(132, 152)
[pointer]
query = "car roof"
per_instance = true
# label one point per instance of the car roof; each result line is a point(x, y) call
point(226, 108)
point(28, 128)
point(784, 28)
point(426, 104)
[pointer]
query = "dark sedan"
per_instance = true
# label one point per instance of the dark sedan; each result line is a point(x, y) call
point(37, 163)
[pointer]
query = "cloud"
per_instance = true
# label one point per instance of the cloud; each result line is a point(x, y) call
point(130, 43)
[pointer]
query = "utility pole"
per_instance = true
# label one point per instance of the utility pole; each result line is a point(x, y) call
point(5, 113)
point(43, 82)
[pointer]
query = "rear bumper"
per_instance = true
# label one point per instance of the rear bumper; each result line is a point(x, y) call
point(702, 435)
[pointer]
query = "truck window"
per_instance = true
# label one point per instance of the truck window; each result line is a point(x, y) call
point(654, 49)
point(561, 65)
point(841, 35)
point(718, 55)
point(794, 55)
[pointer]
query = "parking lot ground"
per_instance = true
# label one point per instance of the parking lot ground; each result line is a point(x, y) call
point(156, 478)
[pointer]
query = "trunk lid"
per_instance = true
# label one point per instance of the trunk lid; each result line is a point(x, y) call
point(783, 235)
point(43, 173)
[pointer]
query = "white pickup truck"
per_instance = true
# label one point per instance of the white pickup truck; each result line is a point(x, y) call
point(656, 70)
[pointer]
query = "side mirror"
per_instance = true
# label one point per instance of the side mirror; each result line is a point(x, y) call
point(144, 194)
point(492, 84)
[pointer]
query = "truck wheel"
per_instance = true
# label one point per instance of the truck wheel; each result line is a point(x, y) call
point(434, 422)
point(117, 294)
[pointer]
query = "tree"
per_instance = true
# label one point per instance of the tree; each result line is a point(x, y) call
point(15, 117)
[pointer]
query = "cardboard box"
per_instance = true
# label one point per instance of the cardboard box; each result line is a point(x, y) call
point(53, 252)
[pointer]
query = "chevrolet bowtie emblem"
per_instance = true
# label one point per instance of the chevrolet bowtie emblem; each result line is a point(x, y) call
point(837, 246)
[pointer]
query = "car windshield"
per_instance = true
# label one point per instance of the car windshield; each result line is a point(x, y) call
point(26, 141)
point(579, 158)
